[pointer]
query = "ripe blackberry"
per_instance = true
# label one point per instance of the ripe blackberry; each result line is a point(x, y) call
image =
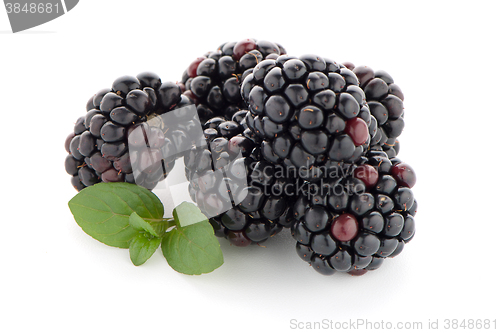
point(214, 79)
point(339, 229)
point(307, 111)
point(120, 140)
point(385, 100)
point(246, 199)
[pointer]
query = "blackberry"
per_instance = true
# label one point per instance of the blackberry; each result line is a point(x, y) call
point(307, 111)
point(385, 100)
point(214, 80)
point(244, 196)
point(120, 140)
point(341, 230)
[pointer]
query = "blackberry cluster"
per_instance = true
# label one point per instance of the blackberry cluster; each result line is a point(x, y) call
point(303, 143)
point(213, 81)
point(107, 144)
point(308, 112)
point(236, 188)
point(385, 100)
point(354, 228)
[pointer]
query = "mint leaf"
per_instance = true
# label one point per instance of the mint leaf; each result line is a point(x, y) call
point(103, 211)
point(139, 224)
point(142, 247)
point(192, 250)
point(187, 214)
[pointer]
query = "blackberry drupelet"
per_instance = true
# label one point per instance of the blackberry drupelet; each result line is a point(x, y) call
point(341, 228)
point(213, 81)
point(245, 198)
point(385, 100)
point(115, 136)
point(308, 112)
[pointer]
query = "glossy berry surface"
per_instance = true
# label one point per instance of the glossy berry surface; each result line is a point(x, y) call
point(118, 134)
point(214, 80)
point(404, 175)
point(354, 218)
point(385, 101)
point(344, 228)
point(248, 203)
point(357, 129)
point(318, 110)
point(368, 174)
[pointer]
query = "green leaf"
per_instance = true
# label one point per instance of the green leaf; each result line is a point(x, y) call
point(192, 250)
point(187, 214)
point(103, 211)
point(142, 248)
point(139, 224)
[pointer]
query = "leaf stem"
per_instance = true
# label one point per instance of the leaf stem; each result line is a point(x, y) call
point(168, 222)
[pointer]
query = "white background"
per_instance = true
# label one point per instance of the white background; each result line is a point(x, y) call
point(443, 54)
